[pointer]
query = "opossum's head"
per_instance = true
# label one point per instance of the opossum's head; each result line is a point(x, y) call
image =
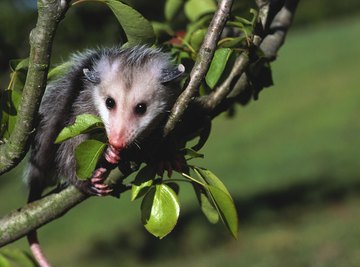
point(133, 90)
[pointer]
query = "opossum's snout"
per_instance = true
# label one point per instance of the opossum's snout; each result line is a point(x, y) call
point(117, 141)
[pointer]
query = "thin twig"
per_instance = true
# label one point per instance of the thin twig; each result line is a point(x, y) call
point(202, 63)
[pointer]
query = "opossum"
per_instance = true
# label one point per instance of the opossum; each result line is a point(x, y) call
point(130, 89)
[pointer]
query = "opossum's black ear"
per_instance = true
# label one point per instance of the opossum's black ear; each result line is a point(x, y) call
point(168, 75)
point(92, 76)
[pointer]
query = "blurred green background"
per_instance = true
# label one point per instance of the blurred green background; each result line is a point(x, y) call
point(290, 159)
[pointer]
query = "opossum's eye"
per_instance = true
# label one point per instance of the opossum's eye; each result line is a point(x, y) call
point(110, 103)
point(140, 109)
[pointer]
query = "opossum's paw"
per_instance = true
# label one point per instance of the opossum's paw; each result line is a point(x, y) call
point(95, 186)
point(97, 183)
point(91, 189)
point(177, 163)
point(112, 155)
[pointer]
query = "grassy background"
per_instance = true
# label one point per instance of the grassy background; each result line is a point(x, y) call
point(290, 159)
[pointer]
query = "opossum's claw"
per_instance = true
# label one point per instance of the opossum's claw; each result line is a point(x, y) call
point(94, 189)
point(100, 186)
point(99, 189)
point(100, 192)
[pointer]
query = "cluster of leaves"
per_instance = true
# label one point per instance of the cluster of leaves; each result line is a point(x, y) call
point(160, 205)
point(185, 43)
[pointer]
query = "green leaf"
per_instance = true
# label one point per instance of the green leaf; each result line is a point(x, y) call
point(160, 210)
point(143, 181)
point(136, 27)
point(59, 71)
point(192, 153)
point(203, 22)
point(194, 9)
point(138, 191)
point(217, 66)
point(19, 64)
point(221, 197)
point(163, 31)
point(19, 68)
point(172, 8)
point(161, 28)
point(84, 123)
point(206, 204)
point(226, 209)
point(197, 38)
point(210, 178)
point(232, 42)
point(10, 101)
point(87, 155)
point(252, 22)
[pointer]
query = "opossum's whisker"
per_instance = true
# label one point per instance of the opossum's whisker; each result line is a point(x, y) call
point(137, 144)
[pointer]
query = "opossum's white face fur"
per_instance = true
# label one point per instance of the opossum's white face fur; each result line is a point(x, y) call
point(131, 94)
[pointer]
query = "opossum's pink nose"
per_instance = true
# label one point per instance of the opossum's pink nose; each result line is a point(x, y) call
point(116, 143)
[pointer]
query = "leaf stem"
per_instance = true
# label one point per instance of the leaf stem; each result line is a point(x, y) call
point(193, 179)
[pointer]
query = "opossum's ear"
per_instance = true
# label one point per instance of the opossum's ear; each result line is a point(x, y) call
point(92, 76)
point(168, 75)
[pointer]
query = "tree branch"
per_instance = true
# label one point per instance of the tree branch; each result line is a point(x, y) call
point(50, 13)
point(32, 216)
point(202, 63)
point(224, 96)
point(278, 29)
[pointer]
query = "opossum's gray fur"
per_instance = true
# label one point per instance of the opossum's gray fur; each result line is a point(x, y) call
point(72, 94)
